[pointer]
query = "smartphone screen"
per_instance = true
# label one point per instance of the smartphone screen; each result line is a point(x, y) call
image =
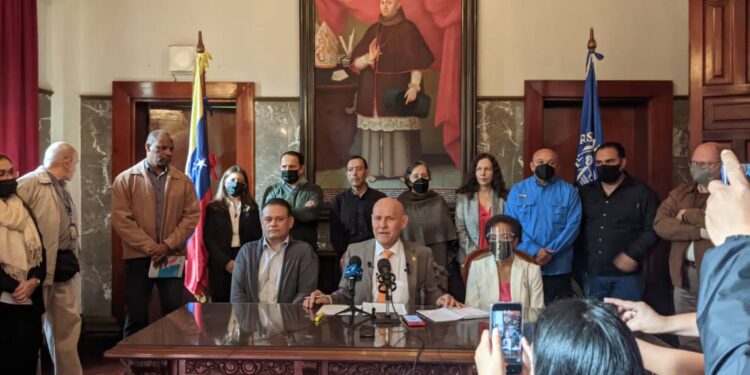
point(507, 318)
point(745, 167)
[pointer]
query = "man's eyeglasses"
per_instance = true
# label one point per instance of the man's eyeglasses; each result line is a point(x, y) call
point(703, 164)
point(8, 174)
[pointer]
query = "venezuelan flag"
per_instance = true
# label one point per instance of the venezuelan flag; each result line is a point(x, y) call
point(198, 168)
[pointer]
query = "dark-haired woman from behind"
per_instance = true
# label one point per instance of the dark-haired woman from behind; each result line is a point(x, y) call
point(480, 198)
point(572, 337)
point(232, 219)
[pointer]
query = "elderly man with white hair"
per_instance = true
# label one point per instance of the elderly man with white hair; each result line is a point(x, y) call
point(45, 191)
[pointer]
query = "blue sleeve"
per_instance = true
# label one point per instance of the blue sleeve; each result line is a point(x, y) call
point(527, 244)
point(568, 235)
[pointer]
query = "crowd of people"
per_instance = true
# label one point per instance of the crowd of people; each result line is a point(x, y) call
point(526, 244)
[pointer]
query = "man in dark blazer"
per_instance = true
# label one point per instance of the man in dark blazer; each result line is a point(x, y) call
point(411, 263)
point(276, 268)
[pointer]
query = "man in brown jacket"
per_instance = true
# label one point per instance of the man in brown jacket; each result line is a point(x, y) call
point(154, 211)
point(681, 219)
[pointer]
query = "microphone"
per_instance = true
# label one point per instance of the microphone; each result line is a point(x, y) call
point(386, 277)
point(353, 271)
point(384, 266)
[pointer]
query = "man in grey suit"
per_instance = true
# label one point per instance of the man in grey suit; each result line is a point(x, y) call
point(411, 264)
point(276, 268)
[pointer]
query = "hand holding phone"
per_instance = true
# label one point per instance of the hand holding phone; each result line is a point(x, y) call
point(507, 318)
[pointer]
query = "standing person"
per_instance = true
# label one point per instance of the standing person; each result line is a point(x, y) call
point(480, 198)
point(305, 197)
point(681, 220)
point(549, 210)
point(45, 191)
point(22, 271)
point(276, 268)
point(430, 224)
point(390, 58)
point(617, 232)
point(154, 211)
point(351, 209)
point(232, 219)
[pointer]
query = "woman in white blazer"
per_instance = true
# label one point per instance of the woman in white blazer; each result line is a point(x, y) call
point(503, 274)
point(481, 197)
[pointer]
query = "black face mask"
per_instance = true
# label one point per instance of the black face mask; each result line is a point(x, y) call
point(608, 173)
point(289, 176)
point(421, 186)
point(235, 189)
point(545, 172)
point(8, 187)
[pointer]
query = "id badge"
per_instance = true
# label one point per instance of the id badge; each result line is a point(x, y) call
point(73, 231)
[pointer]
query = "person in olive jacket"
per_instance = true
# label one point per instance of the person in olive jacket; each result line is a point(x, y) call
point(232, 219)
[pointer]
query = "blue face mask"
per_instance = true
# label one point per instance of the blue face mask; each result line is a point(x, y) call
point(235, 189)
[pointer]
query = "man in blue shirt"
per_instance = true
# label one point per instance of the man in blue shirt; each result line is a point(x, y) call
point(549, 210)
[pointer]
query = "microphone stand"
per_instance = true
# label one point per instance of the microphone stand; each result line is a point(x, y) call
point(388, 319)
point(352, 309)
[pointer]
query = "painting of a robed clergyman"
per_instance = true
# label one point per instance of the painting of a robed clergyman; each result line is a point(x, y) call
point(388, 87)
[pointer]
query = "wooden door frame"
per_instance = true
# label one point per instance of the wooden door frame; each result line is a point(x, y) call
point(125, 96)
point(657, 95)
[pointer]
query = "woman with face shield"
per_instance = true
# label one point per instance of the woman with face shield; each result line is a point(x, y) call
point(502, 274)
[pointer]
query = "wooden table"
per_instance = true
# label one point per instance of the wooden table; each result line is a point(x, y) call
point(284, 339)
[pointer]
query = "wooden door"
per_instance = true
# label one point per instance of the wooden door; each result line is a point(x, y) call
point(720, 74)
point(637, 114)
point(130, 125)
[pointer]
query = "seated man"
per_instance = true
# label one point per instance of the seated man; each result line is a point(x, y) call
point(276, 268)
point(411, 263)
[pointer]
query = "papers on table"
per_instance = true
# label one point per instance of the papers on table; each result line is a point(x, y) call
point(452, 315)
point(332, 309)
point(400, 309)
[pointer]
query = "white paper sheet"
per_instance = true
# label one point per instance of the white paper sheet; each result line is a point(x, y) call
point(452, 315)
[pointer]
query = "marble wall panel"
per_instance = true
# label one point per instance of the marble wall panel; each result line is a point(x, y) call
point(95, 169)
point(680, 141)
point(500, 133)
point(45, 123)
point(277, 129)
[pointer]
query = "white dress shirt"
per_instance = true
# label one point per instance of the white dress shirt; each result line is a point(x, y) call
point(269, 274)
point(398, 268)
point(234, 214)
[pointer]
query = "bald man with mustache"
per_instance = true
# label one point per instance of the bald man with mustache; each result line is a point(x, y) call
point(411, 263)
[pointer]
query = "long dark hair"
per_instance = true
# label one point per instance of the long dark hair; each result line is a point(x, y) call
point(471, 185)
point(222, 198)
point(584, 337)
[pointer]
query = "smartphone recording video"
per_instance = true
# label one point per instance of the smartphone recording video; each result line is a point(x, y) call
point(507, 318)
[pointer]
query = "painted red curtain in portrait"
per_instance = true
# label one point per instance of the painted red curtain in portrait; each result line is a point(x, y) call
point(19, 83)
point(439, 21)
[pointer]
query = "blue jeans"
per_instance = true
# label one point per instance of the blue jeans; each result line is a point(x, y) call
point(629, 287)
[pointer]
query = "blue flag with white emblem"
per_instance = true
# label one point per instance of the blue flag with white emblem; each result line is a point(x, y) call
point(590, 136)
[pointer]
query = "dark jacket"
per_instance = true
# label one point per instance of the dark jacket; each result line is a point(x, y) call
point(724, 307)
point(217, 231)
point(299, 273)
point(9, 284)
point(682, 232)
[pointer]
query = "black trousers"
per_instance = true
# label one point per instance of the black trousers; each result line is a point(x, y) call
point(20, 339)
point(220, 281)
point(138, 292)
point(557, 287)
